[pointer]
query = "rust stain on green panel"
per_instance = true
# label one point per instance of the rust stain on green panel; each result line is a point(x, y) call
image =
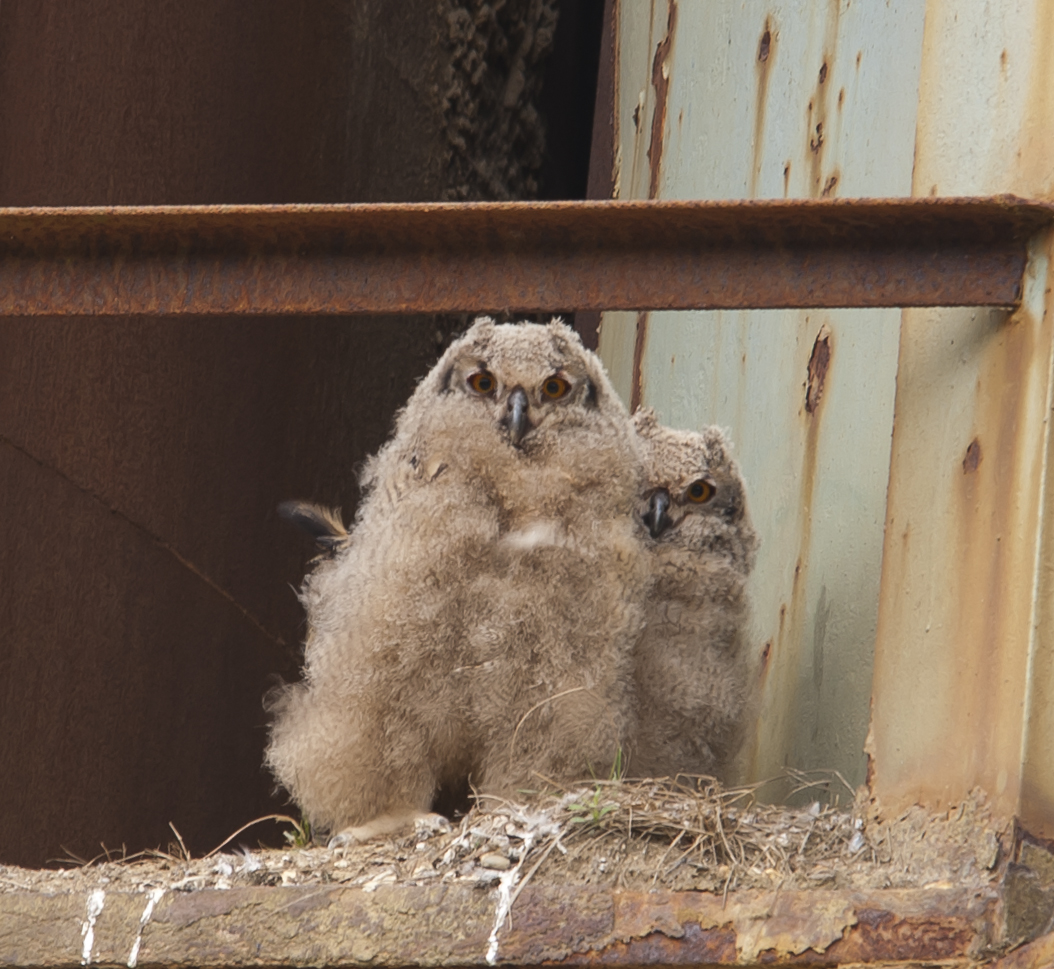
point(964, 674)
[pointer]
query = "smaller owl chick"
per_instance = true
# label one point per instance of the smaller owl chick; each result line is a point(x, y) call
point(691, 671)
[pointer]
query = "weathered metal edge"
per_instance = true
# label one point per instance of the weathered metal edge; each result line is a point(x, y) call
point(820, 217)
point(530, 257)
point(448, 926)
point(1038, 954)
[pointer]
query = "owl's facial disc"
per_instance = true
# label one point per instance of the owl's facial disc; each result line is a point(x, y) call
point(657, 516)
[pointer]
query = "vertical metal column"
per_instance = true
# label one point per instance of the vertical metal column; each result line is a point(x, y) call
point(964, 659)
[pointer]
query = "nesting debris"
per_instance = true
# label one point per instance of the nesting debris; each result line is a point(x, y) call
point(682, 835)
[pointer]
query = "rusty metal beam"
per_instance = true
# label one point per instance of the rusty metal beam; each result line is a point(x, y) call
point(448, 926)
point(347, 259)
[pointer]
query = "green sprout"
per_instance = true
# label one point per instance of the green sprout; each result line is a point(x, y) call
point(593, 812)
point(300, 836)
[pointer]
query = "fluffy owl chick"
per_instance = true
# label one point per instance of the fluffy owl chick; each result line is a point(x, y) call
point(479, 619)
point(691, 672)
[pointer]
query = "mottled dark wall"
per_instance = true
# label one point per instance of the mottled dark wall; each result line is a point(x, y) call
point(195, 101)
point(145, 583)
point(145, 595)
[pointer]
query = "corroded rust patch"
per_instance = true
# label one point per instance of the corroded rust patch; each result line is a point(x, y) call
point(660, 80)
point(973, 457)
point(1036, 955)
point(697, 946)
point(882, 935)
point(766, 44)
point(640, 339)
point(819, 361)
point(763, 69)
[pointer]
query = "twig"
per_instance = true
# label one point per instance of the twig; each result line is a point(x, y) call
point(695, 844)
point(72, 856)
point(658, 867)
point(724, 840)
point(175, 830)
point(245, 827)
point(540, 703)
point(534, 868)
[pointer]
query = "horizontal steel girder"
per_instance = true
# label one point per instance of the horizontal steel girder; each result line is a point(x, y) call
point(440, 926)
point(527, 257)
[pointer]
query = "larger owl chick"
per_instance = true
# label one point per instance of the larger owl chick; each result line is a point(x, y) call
point(479, 620)
point(691, 670)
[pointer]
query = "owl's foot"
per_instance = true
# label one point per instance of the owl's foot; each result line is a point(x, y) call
point(387, 824)
point(428, 825)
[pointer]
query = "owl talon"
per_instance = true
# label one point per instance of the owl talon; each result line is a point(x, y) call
point(388, 824)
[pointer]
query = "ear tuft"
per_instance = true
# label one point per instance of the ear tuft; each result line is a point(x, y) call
point(480, 325)
point(717, 444)
point(644, 420)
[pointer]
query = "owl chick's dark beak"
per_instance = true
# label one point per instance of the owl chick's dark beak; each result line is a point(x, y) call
point(516, 418)
point(656, 517)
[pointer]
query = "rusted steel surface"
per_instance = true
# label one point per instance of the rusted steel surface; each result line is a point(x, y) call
point(414, 258)
point(448, 926)
point(1036, 955)
point(964, 649)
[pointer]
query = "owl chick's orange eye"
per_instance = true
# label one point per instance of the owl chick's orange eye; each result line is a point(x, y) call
point(555, 388)
point(483, 383)
point(700, 491)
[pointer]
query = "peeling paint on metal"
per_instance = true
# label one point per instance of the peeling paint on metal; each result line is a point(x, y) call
point(639, 342)
point(819, 361)
point(821, 184)
point(766, 49)
point(973, 457)
point(660, 82)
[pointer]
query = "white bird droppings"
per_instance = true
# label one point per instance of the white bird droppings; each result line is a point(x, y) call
point(535, 826)
point(96, 900)
point(153, 898)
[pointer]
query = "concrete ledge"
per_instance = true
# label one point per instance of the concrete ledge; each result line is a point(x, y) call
point(455, 926)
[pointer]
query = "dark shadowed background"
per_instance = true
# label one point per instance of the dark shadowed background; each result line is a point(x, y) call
point(146, 585)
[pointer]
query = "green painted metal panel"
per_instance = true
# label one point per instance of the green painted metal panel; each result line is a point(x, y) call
point(737, 99)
